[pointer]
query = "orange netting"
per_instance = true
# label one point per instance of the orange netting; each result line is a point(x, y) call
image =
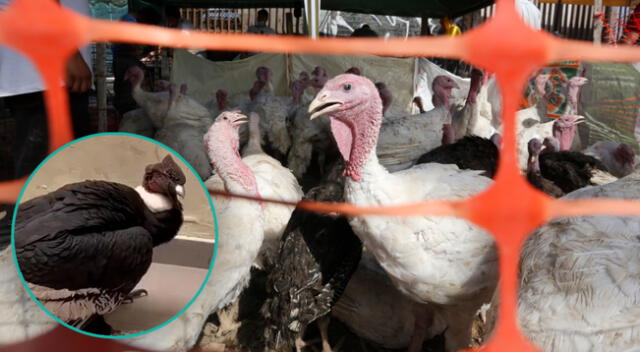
point(503, 45)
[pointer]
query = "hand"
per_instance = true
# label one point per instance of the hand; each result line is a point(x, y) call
point(78, 74)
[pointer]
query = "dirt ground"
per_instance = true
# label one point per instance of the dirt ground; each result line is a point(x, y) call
point(247, 336)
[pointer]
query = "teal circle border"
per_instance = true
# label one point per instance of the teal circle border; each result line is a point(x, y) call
point(213, 258)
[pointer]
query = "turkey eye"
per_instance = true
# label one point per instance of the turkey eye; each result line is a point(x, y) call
point(224, 118)
point(347, 87)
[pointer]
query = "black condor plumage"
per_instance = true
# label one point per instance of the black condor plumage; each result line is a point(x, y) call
point(84, 247)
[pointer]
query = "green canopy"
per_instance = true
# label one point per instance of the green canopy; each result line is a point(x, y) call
point(409, 8)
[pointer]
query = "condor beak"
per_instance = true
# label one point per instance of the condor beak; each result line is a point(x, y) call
point(322, 105)
point(180, 191)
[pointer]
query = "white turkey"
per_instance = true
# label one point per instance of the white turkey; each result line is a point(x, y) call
point(310, 136)
point(21, 319)
point(240, 235)
point(157, 105)
point(375, 310)
point(403, 139)
point(219, 103)
point(300, 89)
point(573, 93)
point(274, 182)
point(274, 112)
point(573, 88)
point(490, 101)
point(433, 260)
point(184, 134)
point(137, 121)
point(469, 121)
point(579, 278)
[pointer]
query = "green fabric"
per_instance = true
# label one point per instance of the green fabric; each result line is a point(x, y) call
point(559, 74)
point(611, 102)
point(411, 8)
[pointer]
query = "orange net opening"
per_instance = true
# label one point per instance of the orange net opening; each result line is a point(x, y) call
point(33, 27)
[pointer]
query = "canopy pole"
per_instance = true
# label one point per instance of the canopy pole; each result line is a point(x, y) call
point(312, 11)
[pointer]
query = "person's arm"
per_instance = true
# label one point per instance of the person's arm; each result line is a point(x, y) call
point(78, 73)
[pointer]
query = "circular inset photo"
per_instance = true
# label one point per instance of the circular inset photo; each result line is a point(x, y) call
point(114, 235)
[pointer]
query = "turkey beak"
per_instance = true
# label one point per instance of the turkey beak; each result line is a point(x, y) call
point(180, 191)
point(322, 105)
point(240, 120)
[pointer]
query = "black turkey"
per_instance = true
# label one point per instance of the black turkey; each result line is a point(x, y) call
point(318, 255)
point(470, 152)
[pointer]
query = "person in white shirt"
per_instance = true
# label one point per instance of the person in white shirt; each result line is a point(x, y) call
point(21, 99)
point(530, 13)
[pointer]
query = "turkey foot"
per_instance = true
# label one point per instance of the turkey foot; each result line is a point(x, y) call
point(323, 326)
point(135, 295)
point(300, 343)
point(424, 319)
point(173, 96)
point(227, 318)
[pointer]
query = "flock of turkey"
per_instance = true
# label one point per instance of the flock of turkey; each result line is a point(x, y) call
point(396, 282)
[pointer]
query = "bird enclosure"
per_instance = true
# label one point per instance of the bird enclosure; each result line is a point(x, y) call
point(448, 245)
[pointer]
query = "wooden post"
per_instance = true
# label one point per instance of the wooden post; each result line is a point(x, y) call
point(101, 86)
point(597, 29)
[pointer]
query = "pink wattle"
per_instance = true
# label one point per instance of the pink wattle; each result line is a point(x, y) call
point(343, 136)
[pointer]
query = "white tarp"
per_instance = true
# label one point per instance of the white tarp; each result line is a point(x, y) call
point(426, 72)
point(405, 77)
point(204, 77)
point(396, 73)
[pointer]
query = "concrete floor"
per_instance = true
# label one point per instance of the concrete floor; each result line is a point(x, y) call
point(177, 272)
point(170, 288)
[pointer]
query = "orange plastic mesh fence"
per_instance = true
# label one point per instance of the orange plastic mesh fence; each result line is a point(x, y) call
point(503, 45)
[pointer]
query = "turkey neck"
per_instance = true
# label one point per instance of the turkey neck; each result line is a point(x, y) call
point(236, 175)
point(222, 105)
point(442, 97)
point(463, 119)
point(574, 93)
point(357, 136)
point(541, 104)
